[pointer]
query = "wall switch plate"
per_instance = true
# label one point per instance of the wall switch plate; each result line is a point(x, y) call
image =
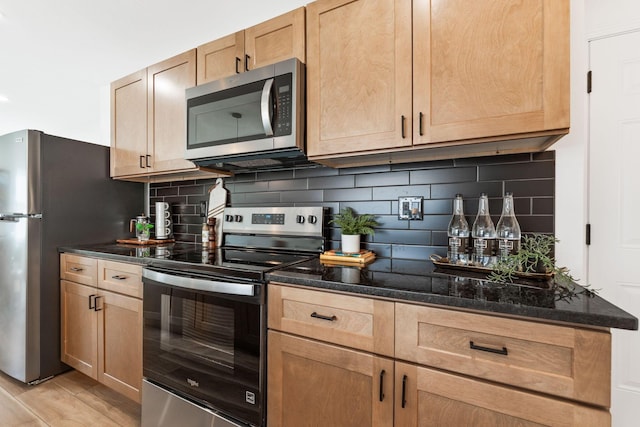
point(410, 208)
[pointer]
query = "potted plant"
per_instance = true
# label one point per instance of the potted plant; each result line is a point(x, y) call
point(143, 230)
point(353, 226)
point(535, 256)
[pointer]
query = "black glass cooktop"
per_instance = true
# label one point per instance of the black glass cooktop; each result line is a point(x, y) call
point(241, 263)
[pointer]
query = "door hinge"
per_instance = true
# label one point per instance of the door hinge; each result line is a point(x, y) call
point(589, 81)
point(588, 234)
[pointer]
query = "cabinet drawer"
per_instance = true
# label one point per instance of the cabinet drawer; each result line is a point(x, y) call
point(356, 322)
point(78, 269)
point(563, 361)
point(120, 277)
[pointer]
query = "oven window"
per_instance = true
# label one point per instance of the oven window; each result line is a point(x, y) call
point(205, 347)
point(207, 331)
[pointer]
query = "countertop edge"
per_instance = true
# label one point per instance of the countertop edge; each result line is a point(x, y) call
point(485, 307)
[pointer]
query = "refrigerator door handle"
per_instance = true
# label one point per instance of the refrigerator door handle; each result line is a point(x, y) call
point(14, 217)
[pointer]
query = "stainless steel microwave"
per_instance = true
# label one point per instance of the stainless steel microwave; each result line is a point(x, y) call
point(250, 119)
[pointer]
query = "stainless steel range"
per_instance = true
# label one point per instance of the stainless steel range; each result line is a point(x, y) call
point(205, 318)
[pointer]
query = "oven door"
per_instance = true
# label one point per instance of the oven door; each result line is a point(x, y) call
point(206, 345)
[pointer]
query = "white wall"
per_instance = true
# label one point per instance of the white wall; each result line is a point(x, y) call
point(57, 58)
point(590, 19)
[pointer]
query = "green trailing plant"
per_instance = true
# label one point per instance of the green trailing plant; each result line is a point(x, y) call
point(351, 223)
point(535, 256)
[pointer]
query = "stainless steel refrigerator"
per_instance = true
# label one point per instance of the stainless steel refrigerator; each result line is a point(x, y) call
point(53, 191)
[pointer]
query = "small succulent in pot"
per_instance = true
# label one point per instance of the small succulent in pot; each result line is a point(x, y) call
point(353, 226)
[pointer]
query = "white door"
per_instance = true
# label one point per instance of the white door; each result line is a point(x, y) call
point(614, 204)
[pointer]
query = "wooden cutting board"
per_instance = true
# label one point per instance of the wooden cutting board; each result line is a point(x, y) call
point(217, 202)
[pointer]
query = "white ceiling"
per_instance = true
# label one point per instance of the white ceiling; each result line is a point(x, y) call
point(58, 57)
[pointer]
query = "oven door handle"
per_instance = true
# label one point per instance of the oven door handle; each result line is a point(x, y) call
point(207, 285)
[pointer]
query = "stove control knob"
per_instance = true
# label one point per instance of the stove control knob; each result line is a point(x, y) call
point(312, 219)
point(238, 218)
point(228, 218)
point(300, 219)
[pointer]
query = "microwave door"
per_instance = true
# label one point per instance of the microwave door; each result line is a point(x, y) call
point(266, 107)
point(230, 116)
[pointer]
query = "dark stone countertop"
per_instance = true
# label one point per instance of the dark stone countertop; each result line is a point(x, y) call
point(137, 254)
point(435, 288)
point(450, 290)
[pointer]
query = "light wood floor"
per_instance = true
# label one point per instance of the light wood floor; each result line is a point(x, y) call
point(70, 399)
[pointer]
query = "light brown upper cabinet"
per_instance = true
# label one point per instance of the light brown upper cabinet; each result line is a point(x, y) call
point(148, 121)
point(277, 39)
point(393, 81)
point(358, 76)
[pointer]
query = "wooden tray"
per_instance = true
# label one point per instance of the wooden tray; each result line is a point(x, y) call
point(336, 257)
point(444, 264)
point(149, 242)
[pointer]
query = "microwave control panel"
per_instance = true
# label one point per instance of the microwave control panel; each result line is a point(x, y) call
point(284, 107)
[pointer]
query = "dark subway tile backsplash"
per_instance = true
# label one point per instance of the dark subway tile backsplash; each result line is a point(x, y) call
point(401, 246)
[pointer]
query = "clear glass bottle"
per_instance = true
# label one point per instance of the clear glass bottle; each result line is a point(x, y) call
point(483, 233)
point(458, 233)
point(508, 229)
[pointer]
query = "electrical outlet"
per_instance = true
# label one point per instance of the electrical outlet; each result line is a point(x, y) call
point(410, 208)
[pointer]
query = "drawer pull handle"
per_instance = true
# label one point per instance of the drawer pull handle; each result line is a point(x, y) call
point(95, 307)
point(76, 269)
point(382, 385)
point(421, 115)
point(403, 120)
point(118, 277)
point(502, 351)
point(238, 62)
point(320, 316)
point(404, 391)
point(92, 302)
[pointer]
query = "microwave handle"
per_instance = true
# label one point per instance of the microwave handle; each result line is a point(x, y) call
point(266, 109)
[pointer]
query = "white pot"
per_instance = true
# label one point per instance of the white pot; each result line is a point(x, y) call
point(350, 243)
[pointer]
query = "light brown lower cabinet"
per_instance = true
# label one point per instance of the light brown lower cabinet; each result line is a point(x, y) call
point(318, 384)
point(449, 368)
point(430, 398)
point(102, 330)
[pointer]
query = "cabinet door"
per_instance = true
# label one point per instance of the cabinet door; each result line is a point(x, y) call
point(78, 324)
point(221, 58)
point(311, 384)
point(358, 75)
point(120, 343)
point(437, 399)
point(489, 68)
point(167, 114)
point(275, 40)
point(129, 124)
